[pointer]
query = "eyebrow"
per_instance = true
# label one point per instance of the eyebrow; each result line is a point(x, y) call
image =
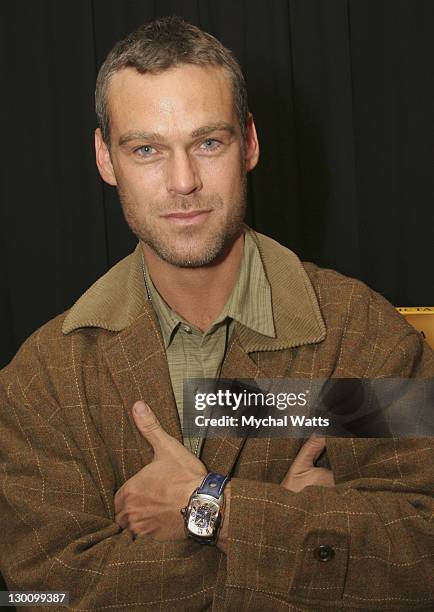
point(155, 136)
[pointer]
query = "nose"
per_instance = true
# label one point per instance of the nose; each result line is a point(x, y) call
point(182, 174)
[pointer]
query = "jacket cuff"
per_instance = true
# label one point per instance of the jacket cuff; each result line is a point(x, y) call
point(284, 543)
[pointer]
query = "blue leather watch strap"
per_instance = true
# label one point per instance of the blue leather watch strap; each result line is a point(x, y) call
point(213, 484)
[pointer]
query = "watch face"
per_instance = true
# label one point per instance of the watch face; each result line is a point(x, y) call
point(203, 516)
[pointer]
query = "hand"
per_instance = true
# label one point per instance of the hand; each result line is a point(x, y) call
point(150, 501)
point(303, 472)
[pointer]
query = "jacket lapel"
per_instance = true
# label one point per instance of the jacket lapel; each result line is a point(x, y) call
point(137, 362)
point(220, 454)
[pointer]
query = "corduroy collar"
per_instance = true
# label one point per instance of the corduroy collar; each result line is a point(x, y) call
point(115, 300)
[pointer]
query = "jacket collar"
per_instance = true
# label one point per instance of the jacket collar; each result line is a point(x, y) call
point(118, 298)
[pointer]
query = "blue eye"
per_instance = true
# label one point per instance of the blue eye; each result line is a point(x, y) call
point(145, 151)
point(210, 144)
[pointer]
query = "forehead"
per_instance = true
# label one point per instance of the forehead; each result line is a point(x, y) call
point(179, 99)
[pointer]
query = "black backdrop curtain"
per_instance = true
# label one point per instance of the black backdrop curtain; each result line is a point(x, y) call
point(343, 96)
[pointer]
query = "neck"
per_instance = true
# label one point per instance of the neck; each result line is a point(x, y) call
point(197, 294)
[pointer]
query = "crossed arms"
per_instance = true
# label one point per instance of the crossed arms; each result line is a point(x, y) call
point(150, 501)
point(60, 489)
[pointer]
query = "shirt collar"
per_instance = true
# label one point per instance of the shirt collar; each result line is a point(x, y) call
point(250, 301)
point(169, 319)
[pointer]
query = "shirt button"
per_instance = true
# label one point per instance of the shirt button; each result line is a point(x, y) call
point(324, 553)
point(187, 329)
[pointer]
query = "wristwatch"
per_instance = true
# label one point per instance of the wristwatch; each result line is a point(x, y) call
point(204, 512)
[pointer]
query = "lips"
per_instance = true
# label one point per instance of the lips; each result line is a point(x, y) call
point(188, 218)
point(186, 215)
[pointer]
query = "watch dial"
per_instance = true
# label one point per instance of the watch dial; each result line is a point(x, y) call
point(203, 517)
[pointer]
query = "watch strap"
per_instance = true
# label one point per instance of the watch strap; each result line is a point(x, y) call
point(213, 485)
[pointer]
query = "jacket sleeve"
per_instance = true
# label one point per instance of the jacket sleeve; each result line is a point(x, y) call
point(365, 544)
point(57, 514)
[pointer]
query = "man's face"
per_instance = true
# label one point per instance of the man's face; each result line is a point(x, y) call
point(178, 160)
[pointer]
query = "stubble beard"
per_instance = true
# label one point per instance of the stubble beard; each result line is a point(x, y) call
point(186, 247)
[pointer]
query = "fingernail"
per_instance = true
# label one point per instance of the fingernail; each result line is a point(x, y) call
point(141, 408)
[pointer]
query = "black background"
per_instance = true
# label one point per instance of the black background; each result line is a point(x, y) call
point(343, 97)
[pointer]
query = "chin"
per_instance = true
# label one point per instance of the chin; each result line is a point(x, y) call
point(189, 258)
point(193, 253)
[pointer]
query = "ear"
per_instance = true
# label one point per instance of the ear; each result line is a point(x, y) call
point(252, 144)
point(103, 159)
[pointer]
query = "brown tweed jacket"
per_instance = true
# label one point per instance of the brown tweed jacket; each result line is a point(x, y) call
point(68, 443)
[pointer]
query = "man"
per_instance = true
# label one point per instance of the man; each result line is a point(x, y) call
point(95, 466)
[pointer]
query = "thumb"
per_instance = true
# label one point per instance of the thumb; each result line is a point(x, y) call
point(148, 424)
point(309, 452)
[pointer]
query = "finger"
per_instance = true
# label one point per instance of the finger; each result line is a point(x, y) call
point(119, 500)
point(309, 452)
point(148, 425)
point(121, 519)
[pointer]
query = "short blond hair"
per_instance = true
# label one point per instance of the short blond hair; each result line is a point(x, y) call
point(163, 44)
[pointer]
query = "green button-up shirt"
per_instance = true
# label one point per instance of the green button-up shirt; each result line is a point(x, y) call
point(192, 353)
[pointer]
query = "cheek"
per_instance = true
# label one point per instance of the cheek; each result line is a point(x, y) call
point(141, 184)
point(233, 186)
point(226, 178)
